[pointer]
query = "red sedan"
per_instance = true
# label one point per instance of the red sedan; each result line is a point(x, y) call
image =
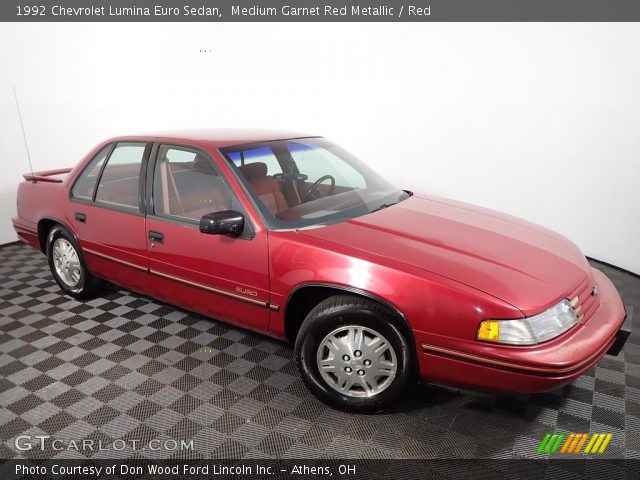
point(291, 236)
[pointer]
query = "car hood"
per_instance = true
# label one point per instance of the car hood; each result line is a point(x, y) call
point(518, 262)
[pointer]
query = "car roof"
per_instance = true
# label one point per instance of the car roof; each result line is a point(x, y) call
point(220, 137)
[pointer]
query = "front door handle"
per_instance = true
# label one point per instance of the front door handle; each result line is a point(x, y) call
point(156, 236)
point(81, 217)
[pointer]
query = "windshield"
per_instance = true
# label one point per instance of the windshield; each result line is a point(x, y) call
point(309, 181)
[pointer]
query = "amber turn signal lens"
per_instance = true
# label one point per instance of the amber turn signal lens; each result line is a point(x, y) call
point(489, 330)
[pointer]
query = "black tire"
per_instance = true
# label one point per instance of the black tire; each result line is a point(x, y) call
point(340, 311)
point(88, 285)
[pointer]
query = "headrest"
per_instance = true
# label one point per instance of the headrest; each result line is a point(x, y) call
point(202, 163)
point(200, 158)
point(254, 170)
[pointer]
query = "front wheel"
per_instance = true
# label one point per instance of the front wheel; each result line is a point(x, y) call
point(352, 355)
point(67, 266)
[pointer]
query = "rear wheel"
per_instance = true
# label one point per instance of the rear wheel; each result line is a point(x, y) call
point(352, 355)
point(67, 266)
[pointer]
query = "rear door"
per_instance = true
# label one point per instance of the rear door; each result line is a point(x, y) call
point(220, 276)
point(107, 213)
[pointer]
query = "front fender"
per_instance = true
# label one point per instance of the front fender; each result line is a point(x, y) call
point(430, 303)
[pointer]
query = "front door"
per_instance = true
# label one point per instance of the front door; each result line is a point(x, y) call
point(220, 276)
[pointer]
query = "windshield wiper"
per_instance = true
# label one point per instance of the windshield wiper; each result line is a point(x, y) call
point(383, 206)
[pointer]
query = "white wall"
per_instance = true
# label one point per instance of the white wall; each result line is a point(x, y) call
point(538, 120)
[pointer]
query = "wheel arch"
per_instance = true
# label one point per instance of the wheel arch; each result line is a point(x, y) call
point(304, 297)
point(45, 224)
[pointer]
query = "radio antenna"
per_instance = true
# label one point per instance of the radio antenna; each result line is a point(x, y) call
point(24, 135)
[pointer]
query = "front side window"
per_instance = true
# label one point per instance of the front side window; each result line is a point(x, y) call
point(120, 180)
point(187, 185)
point(309, 181)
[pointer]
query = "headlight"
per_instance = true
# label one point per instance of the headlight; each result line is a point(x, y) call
point(531, 330)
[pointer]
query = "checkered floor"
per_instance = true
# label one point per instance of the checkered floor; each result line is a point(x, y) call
point(122, 367)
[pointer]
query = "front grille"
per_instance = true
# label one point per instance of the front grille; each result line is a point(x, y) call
point(583, 301)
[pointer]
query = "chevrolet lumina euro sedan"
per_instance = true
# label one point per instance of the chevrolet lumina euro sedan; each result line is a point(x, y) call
point(293, 237)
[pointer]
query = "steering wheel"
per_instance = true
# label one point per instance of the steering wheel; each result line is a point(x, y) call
point(313, 193)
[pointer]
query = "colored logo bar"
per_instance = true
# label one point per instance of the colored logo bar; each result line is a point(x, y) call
point(574, 443)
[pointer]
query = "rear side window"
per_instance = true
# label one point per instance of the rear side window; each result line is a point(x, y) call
point(120, 181)
point(86, 183)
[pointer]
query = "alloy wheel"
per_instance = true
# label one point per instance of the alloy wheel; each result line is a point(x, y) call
point(357, 361)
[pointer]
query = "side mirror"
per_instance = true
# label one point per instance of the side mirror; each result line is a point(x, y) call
point(227, 222)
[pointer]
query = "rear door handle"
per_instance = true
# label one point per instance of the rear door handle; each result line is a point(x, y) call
point(156, 236)
point(81, 217)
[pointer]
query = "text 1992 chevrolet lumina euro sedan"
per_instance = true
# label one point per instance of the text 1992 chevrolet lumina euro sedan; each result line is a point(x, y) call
point(291, 236)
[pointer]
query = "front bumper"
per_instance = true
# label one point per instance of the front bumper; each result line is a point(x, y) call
point(537, 368)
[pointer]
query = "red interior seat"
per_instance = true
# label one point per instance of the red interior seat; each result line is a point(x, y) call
point(265, 186)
